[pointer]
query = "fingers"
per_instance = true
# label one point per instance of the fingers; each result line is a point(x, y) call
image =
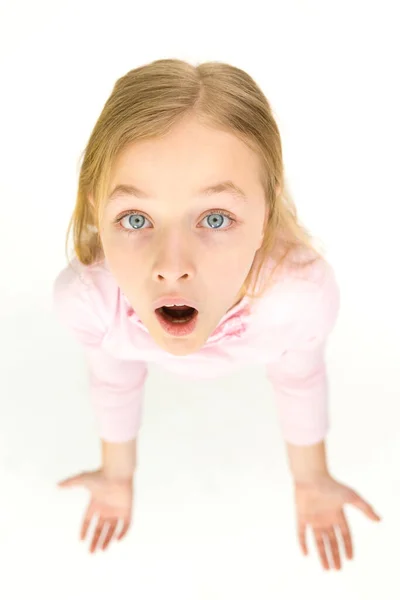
point(124, 529)
point(71, 481)
point(112, 525)
point(108, 527)
point(319, 541)
point(366, 508)
point(104, 525)
point(97, 533)
point(332, 542)
point(346, 537)
point(301, 534)
point(86, 522)
point(327, 542)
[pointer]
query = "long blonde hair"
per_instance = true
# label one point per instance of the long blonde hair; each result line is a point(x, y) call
point(147, 102)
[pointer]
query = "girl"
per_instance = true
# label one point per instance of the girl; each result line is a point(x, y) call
point(189, 253)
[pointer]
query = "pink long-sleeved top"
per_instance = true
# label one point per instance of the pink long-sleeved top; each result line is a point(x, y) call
point(285, 330)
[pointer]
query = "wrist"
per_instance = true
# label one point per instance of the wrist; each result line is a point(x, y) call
point(310, 478)
point(117, 475)
point(119, 460)
point(307, 463)
point(118, 479)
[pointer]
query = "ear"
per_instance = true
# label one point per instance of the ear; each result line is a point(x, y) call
point(91, 201)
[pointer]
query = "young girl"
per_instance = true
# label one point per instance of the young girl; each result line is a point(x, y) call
point(189, 254)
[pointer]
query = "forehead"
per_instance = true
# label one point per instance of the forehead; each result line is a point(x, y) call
point(190, 155)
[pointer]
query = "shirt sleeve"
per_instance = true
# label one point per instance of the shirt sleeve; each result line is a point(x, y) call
point(116, 387)
point(299, 377)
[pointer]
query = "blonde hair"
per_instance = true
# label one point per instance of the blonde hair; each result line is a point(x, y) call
point(147, 102)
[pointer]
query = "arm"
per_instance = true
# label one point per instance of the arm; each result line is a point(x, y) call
point(116, 387)
point(299, 376)
point(300, 387)
point(116, 393)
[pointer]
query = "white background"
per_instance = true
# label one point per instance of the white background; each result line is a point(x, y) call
point(214, 516)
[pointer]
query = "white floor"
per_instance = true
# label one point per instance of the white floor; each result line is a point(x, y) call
point(214, 516)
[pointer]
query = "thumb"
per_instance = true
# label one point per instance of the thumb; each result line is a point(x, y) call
point(74, 481)
point(366, 508)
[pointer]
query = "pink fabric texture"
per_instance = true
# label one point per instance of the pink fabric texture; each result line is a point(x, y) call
point(285, 331)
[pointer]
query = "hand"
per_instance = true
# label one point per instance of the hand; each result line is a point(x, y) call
point(319, 504)
point(111, 499)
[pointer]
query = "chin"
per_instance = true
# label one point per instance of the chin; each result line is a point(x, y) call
point(179, 346)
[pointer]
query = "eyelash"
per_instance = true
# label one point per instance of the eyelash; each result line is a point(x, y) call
point(136, 212)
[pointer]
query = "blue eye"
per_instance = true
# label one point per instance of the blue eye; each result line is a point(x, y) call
point(134, 221)
point(216, 219)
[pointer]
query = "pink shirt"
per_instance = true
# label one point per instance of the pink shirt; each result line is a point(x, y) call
point(285, 331)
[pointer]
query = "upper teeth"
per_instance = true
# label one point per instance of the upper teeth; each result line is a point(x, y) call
point(174, 305)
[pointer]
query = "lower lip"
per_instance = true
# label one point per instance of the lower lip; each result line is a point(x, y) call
point(177, 329)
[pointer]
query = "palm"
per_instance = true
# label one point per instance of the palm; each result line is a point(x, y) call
point(110, 498)
point(320, 502)
point(320, 506)
point(111, 502)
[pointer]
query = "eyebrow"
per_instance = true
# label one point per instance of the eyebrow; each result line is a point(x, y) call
point(219, 188)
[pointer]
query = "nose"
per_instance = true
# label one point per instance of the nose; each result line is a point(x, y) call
point(174, 259)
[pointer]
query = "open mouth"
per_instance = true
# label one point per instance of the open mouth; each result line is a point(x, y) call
point(177, 314)
point(177, 320)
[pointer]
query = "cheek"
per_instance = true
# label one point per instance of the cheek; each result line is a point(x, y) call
point(117, 245)
point(227, 263)
point(123, 261)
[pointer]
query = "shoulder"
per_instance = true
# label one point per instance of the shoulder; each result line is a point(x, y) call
point(302, 297)
point(83, 299)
